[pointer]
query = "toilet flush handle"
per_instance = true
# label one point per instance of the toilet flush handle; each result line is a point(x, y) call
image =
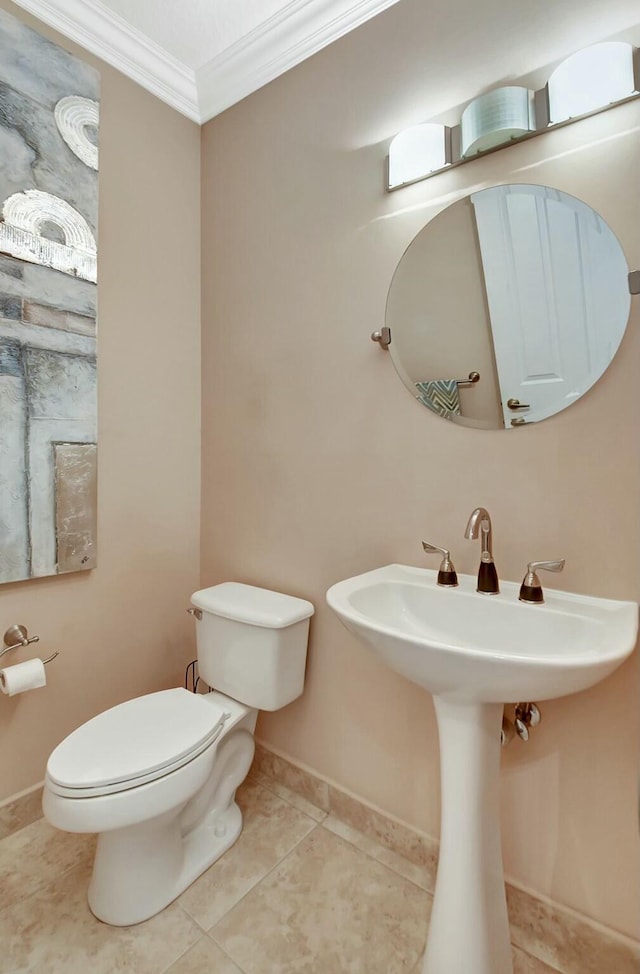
point(195, 612)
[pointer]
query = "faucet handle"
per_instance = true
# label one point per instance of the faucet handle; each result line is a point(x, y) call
point(531, 588)
point(549, 566)
point(447, 574)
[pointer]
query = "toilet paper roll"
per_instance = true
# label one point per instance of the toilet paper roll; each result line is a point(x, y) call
point(23, 676)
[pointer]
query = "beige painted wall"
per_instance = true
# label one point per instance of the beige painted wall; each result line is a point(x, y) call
point(121, 629)
point(318, 464)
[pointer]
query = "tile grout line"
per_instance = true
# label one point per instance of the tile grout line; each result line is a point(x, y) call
point(209, 932)
point(185, 911)
point(227, 955)
point(42, 885)
point(166, 970)
point(325, 814)
point(203, 936)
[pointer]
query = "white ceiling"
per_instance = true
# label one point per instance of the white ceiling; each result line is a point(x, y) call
point(195, 31)
point(201, 56)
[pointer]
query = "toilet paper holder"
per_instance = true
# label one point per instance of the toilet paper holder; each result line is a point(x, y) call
point(17, 636)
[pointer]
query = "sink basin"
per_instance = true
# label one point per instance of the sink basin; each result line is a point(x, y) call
point(475, 652)
point(462, 645)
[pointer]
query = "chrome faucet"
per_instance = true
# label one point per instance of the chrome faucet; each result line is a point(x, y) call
point(531, 589)
point(480, 523)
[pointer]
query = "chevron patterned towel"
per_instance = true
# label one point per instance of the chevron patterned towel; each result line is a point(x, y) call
point(440, 396)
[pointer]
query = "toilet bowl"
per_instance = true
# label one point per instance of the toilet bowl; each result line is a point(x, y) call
point(156, 776)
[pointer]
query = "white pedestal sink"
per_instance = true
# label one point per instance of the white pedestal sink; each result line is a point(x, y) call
point(474, 653)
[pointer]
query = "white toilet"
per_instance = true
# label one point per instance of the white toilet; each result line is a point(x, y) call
point(156, 777)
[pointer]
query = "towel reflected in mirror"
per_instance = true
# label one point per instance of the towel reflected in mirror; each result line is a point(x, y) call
point(441, 396)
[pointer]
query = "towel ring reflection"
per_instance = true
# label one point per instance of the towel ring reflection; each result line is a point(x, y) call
point(471, 381)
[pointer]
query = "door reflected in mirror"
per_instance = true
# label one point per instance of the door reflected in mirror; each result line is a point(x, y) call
point(523, 284)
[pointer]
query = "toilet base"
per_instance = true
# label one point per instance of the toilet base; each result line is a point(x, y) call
point(140, 870)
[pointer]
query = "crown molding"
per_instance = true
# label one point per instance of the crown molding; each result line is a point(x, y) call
point(294, 33)
point(99, 30)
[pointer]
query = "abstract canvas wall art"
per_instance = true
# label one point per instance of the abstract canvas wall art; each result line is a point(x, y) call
point(49, 119)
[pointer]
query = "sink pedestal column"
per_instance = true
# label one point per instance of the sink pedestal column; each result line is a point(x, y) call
point(469, 929)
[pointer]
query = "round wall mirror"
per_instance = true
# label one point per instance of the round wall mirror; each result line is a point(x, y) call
point(508, 306)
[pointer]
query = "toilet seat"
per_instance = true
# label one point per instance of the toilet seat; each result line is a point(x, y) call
point(135, 742)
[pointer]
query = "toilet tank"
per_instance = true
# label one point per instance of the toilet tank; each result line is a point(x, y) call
point(252, 643)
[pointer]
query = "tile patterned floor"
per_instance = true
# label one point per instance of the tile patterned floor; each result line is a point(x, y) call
point(299, 893)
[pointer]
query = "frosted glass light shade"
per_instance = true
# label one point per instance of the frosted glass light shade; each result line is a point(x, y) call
point(495, 118)
point(417, 151)
point(591, 79)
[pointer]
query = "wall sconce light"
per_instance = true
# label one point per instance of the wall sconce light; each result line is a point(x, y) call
point(417, 152)
point(590, 81)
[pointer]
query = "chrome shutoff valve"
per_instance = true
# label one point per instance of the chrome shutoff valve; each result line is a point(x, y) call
point(527, 715)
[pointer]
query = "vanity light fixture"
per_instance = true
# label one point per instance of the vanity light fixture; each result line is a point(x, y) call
point(417, 152)
point(590, 81)
point(495, 118)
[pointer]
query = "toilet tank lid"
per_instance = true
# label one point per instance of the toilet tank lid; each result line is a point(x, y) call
point(255, 606)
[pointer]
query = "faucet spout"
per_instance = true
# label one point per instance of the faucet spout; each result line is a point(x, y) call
point(479, 525)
